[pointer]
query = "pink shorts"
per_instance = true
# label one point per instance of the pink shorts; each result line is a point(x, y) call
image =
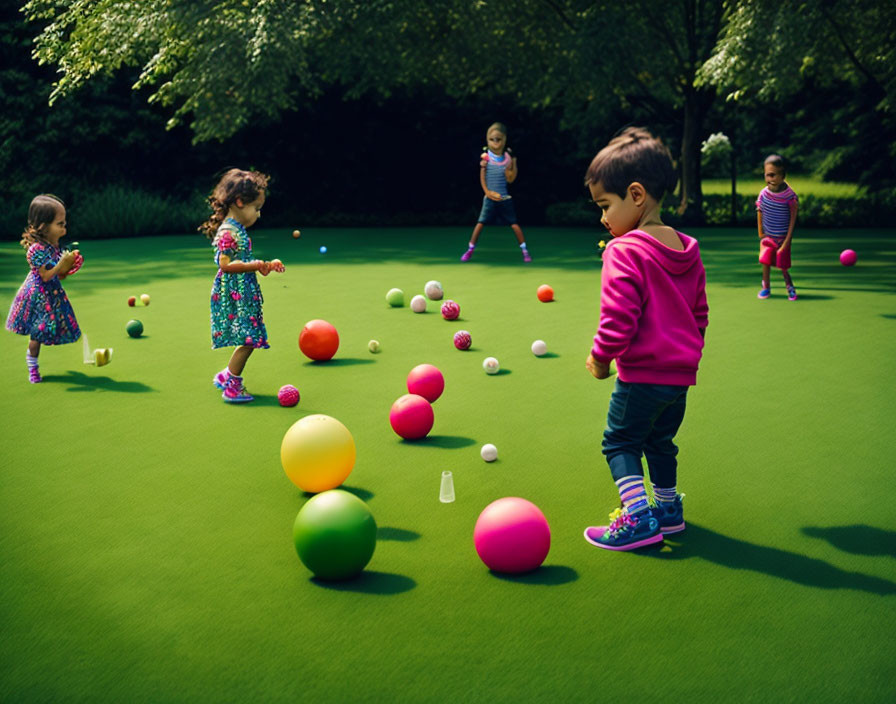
point(768, 253)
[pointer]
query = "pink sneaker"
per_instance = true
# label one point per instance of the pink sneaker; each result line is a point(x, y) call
point(34, 375)
point(526, 257)
point(465, 257)
point(235, 392)
point(220, 380)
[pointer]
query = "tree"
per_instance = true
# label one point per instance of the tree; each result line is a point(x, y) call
point(220, 64)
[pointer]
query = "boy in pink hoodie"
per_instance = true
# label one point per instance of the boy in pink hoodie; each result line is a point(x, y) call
point(653, 317)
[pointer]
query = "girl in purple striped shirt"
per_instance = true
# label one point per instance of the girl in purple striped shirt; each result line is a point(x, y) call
point(776, 210)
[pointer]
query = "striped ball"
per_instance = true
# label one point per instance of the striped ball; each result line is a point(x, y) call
point(462, 340)
point(450, 310)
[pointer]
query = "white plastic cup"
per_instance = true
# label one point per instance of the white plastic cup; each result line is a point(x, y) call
point(446, 493)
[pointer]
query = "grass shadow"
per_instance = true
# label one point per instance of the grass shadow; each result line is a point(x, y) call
point(857, 539)
point(399, 535)
point(338, 362)
point(369, 582)
point(738, 554)
point(443, 441)
point(84, 382)
point(549, 355)
point(550, 575)
point(362, 494)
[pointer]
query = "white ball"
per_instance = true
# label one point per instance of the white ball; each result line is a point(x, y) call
point(489, 452)
point(539, 348)
point(373, 346)
point(491, 365)
point(433, 290)
point(418, 304)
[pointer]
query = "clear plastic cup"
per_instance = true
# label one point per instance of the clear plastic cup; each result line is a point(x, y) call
point(446, 493)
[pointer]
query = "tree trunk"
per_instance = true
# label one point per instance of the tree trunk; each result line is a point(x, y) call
point(689, 158)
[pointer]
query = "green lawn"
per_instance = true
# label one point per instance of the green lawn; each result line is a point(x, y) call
point(749, 186)
point(145, 526)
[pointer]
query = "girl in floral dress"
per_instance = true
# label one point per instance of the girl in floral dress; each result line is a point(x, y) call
point(236, 300)
point(41, 308)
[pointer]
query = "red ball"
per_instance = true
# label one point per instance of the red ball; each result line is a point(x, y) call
point(288, 395)
point(545, 293)
point(462, 340)
point(848, 257)
point(450, 310)
point(427, 381)
point(411, 417)
point(318, 340)
point(132, 301)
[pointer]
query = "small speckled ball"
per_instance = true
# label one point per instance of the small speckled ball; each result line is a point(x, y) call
point(373, 346)
point(491, 365)
point(462, 340)
point(418, 304)
point(288, 395)
point(539, 348)
point(489, 452)
point(433, 290)
point(450, 310)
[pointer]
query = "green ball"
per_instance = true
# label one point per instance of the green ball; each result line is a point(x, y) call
point(135, 328)
point(395, 297)
point(335, 534)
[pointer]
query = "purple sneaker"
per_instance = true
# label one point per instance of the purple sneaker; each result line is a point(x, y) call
point(791, 293)
point(626, 531)
point(220, 380)
point(235, 392)
point(764, 293)
point(34, 375)
point(527, 257)
point(465, 257)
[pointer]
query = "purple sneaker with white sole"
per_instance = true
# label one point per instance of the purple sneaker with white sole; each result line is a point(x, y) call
point(626, 531)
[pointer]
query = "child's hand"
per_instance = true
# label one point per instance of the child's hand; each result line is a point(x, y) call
point(493, 195)
point(264, 268)
point(277, 265)
point(66, 262)
point(78, 263)
point(598, 370)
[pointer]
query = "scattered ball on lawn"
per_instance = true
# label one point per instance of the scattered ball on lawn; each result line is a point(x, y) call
point(848, 257)
point(489, 452)
point(318, 340)
point(433, 290)
point(491, 365)
point(539, 348)
point(373, 346)
point(411, 417)
point(545, 293)
point(395, 297)
point(450, 310)
point(323, 249)
point(462, 340)
point(134, 328)
point(144, 299)
point(427, 381)
point(418, 304)
point(296, 234)
point(335, 535)
point(288, 395)
point(317, 453)
point(512, 535)
point(132, 301)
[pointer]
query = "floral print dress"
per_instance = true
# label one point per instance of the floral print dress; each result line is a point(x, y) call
point(236, 298)
point(41, 309)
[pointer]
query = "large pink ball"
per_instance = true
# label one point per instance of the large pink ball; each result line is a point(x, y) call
point(450, 310)
point(462, 340)
point(411, 417)
point(512, 535)
point(848, 257)
point(427, 381)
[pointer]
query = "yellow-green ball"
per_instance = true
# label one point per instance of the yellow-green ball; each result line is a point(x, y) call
point(317, 453)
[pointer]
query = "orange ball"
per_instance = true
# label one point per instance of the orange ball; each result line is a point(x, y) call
point(318, 340)
point(545, 293)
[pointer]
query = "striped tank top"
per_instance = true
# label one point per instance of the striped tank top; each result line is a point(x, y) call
point(776, 209)
point(494, 172)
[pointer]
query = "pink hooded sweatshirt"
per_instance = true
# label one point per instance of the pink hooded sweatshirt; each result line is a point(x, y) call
point(652, 310)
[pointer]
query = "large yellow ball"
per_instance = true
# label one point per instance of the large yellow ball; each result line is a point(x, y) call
point(317, 453)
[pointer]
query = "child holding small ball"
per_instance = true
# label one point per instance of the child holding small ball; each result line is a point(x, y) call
point(236, 299)
point(776, 210)
point(41, 308)
point(653, 317)
point(497, 168)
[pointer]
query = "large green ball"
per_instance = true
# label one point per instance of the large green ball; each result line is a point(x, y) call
point(134, 328)
point(335, 534)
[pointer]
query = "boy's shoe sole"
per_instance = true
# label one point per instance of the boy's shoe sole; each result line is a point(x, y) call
point(237, 399)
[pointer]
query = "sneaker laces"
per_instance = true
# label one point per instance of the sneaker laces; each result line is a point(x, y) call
point(620, 520)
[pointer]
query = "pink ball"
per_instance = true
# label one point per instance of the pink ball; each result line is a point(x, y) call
point(288, 395)
point(411, 417)
point(427, 381)
point(462, 340)
point(512, 535)
point(450, 310)
point(848, 257)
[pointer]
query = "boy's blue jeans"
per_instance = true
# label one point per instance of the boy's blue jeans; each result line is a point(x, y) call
point(643, 420)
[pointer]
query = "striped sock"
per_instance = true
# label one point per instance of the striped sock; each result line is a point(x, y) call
point(664, 496)
point(32, 361)
point(633, 493)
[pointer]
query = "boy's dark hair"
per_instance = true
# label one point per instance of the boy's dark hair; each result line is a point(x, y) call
point(777, 161)
point(235, 183)
point(41, 213)
point(633, 155)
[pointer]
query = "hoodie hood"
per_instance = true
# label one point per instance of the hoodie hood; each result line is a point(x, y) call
point(676, 262)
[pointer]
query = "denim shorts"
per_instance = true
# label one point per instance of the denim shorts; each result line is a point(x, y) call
point(497, 212)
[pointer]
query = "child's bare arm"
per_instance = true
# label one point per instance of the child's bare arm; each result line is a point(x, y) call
point(66, 262)
point(510, 173)
point(759, 222)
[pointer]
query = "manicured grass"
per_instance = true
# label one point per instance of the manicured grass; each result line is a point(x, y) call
point(750, 185)
point(145, 526)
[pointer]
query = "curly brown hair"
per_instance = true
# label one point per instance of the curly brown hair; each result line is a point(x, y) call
point(234, 184)
point(41, 213)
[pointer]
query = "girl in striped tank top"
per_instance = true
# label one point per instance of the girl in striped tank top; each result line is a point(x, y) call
point(776, 210)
